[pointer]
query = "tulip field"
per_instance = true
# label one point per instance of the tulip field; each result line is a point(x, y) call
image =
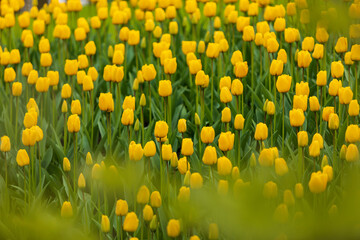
point(179, 119)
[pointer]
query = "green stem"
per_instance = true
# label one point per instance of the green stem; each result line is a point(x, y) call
point(283, 120)
point(212, 90)
point(16, 119)
point(75, 160)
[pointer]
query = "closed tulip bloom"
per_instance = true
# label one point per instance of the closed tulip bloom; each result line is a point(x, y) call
point(328, 170)
point(173, 28)
point(96, 172)
point(226, 115)
point(236, 57)
point(131, 222)
point(201, 79)
point(322, 35)
point(182, 125)
point(261, 132)
point(105, 224)
point(66, 210)
point(302, 138)
point(76, 107)
point(106, 102)
point(224, 166)
point(304, 59)
point(71, 67)
point(226, 141)
point(66, 165)
point(188, 47)
point(283, 83)
point(318, 182)
point(348, 60)
point(16, 89)
point(334, 87)
point(317, 137)
point(129, 102)
point(196, 181)
point(279, 24)
point(135, 151)
point(195, 66)
point(27, 67)
point(352, 153)
point(165, 88)
point(321, 78)
point(15, 56)
point(22, 158)
point(353, 108)
point(210, 9)
point(345, 95)
point(253, 9)
point(241, 69)
point(225, 82)
point(297, 117)
point(276, 67)
point(248, 33)
point(187, 147)
point(73, 123)
point(300, 102)
point(53, 77)
point(213, 50)
point(343, 152)
point(29, 137)
point(352, 133)
point(209, 156)
point(272, 45)
point(266, 157)
point(183, 165)
point(134, 37)
point(318, 51)
point(127, 117)
point(155, 199)
point(282, 55)
point(308, 44)
point(333, 121)
point(173, 228)
point(281, 167)
point(225, 95)
point(161, 129)
point(314, 104)
point(9, 75)
point(341, 45)
point(337, 69)
point(241, 23)
point(5, 144)
point(355, 52)
point(150, 149)
point(314, 149)
point(270, 190)
point(121, 207)
point(239, 122)
point(236, 87)
point(66, 91)
point(170, 66)
point(143, 195)
point(90, 48)
point(88, 84)
point(166, 152)
point(42, 84)
point(149, 72)
point(207, 135)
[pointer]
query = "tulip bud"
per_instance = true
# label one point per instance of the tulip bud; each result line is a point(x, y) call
point(66, 210)
point(66, 165)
